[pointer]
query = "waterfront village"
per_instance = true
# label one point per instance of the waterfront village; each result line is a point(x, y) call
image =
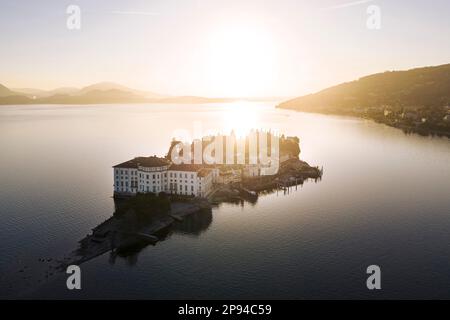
point(421, 120)
point(154, 196)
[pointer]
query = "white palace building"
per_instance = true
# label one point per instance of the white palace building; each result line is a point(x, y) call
point(153, 174)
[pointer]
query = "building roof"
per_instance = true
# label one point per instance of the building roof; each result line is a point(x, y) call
point(185, 167)
point(204, 172)
point(148, 162)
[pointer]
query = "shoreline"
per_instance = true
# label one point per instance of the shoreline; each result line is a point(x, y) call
point(406, 128)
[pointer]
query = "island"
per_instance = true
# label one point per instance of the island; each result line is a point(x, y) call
point(153, 196)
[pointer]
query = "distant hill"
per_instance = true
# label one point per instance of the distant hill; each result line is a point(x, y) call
point(5, 92)
point(114, 87)
point(15, 100)
point(416, 100)
point(94, 97)
point(99, 93)
point(38, 93)
point(193, 99)
point(30, 91)
point(423, 87)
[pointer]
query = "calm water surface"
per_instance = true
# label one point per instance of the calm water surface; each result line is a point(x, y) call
point(384, 199)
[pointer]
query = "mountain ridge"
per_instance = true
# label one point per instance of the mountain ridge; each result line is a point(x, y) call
point(97, 93)
point(5, 92)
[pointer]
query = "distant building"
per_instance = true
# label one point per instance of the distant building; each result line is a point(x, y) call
point(190, 179)
point(153, 174)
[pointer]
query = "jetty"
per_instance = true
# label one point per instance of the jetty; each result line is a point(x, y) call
point(124, 230)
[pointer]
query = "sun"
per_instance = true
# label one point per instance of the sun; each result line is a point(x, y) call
point(241, 61)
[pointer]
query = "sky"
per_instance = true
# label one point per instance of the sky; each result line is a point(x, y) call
point(226, 48)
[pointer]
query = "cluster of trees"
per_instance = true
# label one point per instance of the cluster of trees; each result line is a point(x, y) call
point(143, 208)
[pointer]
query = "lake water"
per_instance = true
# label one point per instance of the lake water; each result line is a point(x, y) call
point(384, 199)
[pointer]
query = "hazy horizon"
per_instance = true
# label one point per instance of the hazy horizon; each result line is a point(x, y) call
point(168, 95)
point(216, 48)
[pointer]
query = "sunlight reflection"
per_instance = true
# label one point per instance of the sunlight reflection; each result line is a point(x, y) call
point(241, 117)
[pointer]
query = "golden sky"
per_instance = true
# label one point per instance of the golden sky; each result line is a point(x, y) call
point(217, 48)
